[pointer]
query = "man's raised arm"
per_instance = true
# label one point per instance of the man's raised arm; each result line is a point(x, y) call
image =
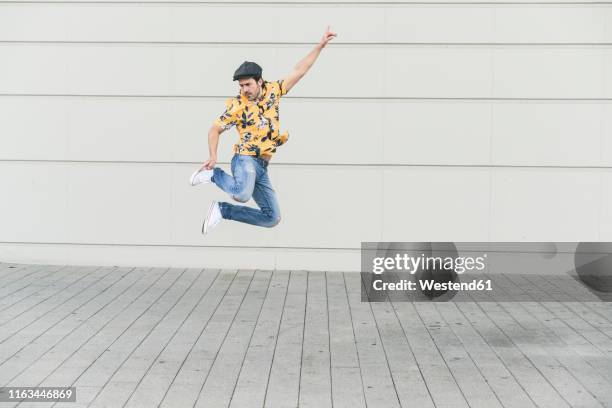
point(304, 65)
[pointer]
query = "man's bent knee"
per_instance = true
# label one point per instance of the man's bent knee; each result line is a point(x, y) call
point(274, 220)
point(242, 198)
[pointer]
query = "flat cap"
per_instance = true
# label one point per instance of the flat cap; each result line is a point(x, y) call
point(248, 69)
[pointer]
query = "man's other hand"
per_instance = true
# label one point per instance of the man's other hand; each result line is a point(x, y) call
point(209, 164)
point(327, 37)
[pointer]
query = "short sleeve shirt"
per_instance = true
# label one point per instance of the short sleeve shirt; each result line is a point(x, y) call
point(257, 121)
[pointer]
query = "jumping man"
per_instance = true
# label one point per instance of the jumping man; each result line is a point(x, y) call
point(255, 113)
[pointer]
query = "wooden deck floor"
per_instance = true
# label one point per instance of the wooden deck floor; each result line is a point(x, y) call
point(141, 337)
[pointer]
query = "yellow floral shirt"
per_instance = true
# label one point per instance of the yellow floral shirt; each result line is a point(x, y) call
point(257, 121)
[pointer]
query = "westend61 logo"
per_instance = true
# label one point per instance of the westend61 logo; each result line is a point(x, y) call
point(420, 271)
point(411, 264)
point(440, 277)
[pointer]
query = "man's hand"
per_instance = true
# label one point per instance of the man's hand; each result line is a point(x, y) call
point(327, 37)
point(209, 164)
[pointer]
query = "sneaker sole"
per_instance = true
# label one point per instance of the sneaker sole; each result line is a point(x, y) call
point(193, 176)
point(205, 225)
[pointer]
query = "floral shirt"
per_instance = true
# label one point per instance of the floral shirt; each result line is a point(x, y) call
point(257, 121)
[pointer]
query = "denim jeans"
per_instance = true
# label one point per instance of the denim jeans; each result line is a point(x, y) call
point(249, 179)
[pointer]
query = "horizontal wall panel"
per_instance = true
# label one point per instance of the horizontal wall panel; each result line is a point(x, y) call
point(135, 200)
point(438, 132)
point(399, 72)
point(551, 134)
point(606, 140)
point(488, 23)
point(202, 22)
point(298, 23)
point(493, 205)
point(546, 205)
point(155, 205)
point(329, 206)
point(321, 207)
point(34, 203)
point(605, 209)
point(587, 73)
point(161, 70)
point(436, 204)
point(184, 257)
point(430, 132)
point(171, 129)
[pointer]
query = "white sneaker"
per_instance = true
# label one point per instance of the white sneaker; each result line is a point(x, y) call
point(201, 176)
point(212, 218)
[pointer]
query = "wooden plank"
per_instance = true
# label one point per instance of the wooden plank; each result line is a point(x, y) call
point(592, 324)
point(51, 366)
point(254, 375)
point(19, 332)
point(162, 368)
point(95, 362)
point(28, 275)
point(469, 378)
point(142, 360)
point(501, 380)
point(405, 370)
point(34, 294)
point(121, 367)
point(594, 312)
point(84, 394)
point(588, 372)
point(284, 381)
point(315, 375)
point(56, 366)
point(68, 336)
point(10, 269)
point(221, 380)
point(11, 272)
point(153, 389)
point(571, 326)
point(535, 384)
point(529, 343)
point(379, 386)
point(77, 365)
point(33, 363)
point(583, 363)
point(188, 382)
point(347, 384)
point(441, 382)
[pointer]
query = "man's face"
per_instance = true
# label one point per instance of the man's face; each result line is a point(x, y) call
point(250, 88)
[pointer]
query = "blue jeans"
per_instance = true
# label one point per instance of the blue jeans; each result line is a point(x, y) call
point(250, 179)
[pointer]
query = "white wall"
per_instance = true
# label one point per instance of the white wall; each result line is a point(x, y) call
point(441, 122)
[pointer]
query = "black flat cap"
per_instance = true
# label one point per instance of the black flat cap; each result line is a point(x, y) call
point(248, 69)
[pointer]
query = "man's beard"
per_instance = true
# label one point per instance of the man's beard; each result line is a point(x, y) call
point(255, 95)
